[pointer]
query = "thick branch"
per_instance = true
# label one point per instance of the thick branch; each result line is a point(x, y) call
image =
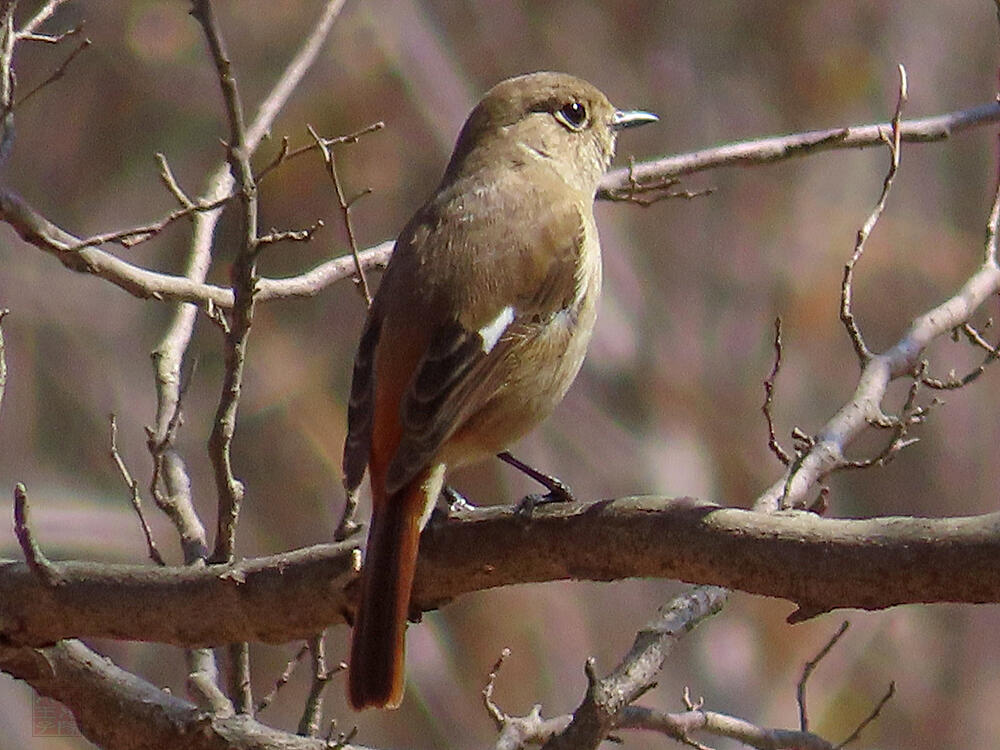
point(819, 563)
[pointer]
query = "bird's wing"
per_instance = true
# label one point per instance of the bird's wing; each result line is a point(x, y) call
point(360, 408)
point(531, 277)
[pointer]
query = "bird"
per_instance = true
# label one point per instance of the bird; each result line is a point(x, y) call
point(478, 328)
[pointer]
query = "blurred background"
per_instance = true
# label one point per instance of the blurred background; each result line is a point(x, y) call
point(669, 399)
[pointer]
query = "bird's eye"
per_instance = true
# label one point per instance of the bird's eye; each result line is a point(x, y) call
point(573, 116)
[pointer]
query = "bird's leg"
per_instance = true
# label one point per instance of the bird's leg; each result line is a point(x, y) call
point(558, 490)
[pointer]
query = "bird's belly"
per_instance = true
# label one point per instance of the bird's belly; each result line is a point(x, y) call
point(538, 371)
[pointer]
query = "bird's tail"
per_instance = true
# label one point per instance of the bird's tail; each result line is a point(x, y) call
point(377, 666)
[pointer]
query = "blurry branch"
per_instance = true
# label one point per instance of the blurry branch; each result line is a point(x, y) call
point(617, 184)
point(824, 453)
point(345, 209)
point(229, 489)
point(77, 254)
point(117, 709)
point(134, 496)
point(170, 483)
point(641, 666)
point(606, 699)
point(71, 251)
point(819, 563)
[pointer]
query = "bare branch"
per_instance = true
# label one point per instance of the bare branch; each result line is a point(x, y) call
point(110, 703)
point(770, 150)
point(283, 679)
point(345, 208)
point(39, 565)
point(871, 717)
point(893, 141)
point(607, 698)
point(41, 16)
point(679, 726)
point(808, 669)
point(819, 563)
point(826, 453)
point(61, 70)
point(133, 486)
point(772, 438)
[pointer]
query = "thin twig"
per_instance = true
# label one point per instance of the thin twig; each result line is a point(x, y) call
point(229, 489)
point(871, 717)
point(133, 487)
point(760, 151)
point(772, 438)
point(494, 711)
point(170, 182)
point(807, 671)
point(283, 678)
point(58, 72)
point(893, 141)
point(285, 154)
point(345, 208)
point(312, 711)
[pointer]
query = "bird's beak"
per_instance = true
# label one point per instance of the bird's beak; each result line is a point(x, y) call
point(622, 119)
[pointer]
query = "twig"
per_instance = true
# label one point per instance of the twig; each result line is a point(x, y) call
point(41, 16)
point(893, 141)
point(230, 490)
point(290, 235)
point(58, 72)
point(492, 709)
point(345, 208)
point(606, 698)
point(283, 678)
point(760, 151)
point(312, 712)
point(772, 438)
point(871, 717)
point(40, 566)
point(285, 154)
point(679, 726)
point(240, 687)
point(133, 487)
point(203, 683)
point(808, 669)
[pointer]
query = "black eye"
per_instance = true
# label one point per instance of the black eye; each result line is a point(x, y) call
point(572, 115)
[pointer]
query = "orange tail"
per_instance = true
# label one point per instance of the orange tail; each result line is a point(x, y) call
point(376, 673)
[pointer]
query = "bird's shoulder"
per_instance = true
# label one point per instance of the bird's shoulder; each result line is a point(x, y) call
point(514, 237)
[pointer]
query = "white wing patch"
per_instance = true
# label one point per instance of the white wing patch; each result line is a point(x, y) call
point(492, 331)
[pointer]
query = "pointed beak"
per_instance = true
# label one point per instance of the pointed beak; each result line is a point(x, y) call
point(622, 119)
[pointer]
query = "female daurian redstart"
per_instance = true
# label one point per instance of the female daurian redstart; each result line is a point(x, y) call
point(478, 329)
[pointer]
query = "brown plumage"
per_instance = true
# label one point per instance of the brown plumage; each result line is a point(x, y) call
point(478, 329)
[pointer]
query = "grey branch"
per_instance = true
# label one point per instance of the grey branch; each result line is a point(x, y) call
point(779, 148)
